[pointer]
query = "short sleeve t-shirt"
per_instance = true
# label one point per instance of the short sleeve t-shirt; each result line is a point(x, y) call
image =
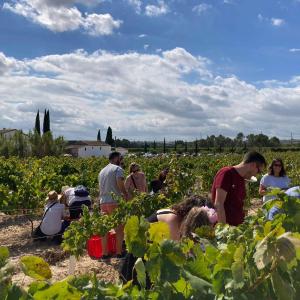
point(281, 182)
point(108, 183)
point(233, 183)
point(52, 221)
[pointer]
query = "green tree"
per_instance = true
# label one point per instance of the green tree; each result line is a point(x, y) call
point(37, 123)
point(154, 145)
point(46, 122)
point(175, 146)
point(185, 146)
point(109, 137)
point(164, 148)
point(145, 147)
point(99, 136)
point(196, 146)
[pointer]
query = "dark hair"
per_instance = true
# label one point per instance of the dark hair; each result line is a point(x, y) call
point(113, 155)
point(182, 208)
point(282, 172)
point(254, 156)
point(163, 174)
point(196, 218)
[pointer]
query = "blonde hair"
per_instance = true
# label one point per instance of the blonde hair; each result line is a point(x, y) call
point(132, 166)
point(196, 217)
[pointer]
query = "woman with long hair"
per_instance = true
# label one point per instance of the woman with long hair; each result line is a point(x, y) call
point(276, 178)
point(175, 215)
point(135, 181)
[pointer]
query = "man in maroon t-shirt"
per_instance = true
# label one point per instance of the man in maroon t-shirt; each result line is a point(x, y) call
point(228, 189)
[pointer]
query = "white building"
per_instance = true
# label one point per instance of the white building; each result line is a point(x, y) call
point(88, 148)
point(8, 133)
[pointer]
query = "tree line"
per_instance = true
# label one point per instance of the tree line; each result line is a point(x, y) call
point(36, 143)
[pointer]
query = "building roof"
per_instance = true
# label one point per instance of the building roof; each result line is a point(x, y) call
point(6, 130)
point(79, 144)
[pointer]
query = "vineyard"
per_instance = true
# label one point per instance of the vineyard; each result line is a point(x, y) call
point(259, 259)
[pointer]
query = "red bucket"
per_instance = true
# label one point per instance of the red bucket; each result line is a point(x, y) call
point(94, 247)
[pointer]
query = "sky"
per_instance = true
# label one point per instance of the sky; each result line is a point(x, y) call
point(179, 69)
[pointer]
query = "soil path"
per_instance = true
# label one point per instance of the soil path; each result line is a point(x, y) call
point(15, 234)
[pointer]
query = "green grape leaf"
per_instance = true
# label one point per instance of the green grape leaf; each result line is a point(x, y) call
point(199, 265)
point(198, 284)
point(288, 245)
point(16, 293)
point(265, 252)
point(135, 235)
point(237, 269)
point(37, 286)
point(141, 272)
point(60, 291)
point(35, 267)
point(4, 255)
point(159, 231)
point(282, 289)
point(184, 287)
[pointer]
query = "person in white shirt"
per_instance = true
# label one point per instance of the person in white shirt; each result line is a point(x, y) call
point(111, 184)
point(276, 178)
point(52, 220)
point(74, 198)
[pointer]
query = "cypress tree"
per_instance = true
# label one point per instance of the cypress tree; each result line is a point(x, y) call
point(48, 121)
point(164, 146)
point(145, 147)
point(196, 146)
point(37, 123)
point(154, 145)
point(109, 138)
point(45, 122)
point(185, 146)
point(99, 136)
point(175, 146)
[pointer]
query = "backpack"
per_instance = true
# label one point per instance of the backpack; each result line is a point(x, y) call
point(81, 191)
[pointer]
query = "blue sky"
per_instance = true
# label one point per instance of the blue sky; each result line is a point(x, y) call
point(150, 69)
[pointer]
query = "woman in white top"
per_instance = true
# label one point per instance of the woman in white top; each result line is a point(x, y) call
point(276, 178)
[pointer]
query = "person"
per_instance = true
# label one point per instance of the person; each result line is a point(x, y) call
point(135, 181)
point(74, 198)
point(276, 178)
point(184, 218)
point(111, 184)
point(175, 215)
point(158, 184)
point(52, 221)
point(228, 189)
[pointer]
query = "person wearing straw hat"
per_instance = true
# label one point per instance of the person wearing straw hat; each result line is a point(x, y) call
point(52, 220)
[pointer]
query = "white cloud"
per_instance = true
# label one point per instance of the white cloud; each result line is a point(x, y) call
point(60, 16)
point(139, 94)
point(277, 22)
point(260, 17)
point(136, 4)
point(146, 46)
point(294, 50)
point(142, 35)
point(201, 8)
point(157, 10)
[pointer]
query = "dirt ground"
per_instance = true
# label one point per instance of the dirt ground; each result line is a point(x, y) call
point(15, 234)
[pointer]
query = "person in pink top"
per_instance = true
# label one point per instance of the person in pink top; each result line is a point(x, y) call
point(135, 181)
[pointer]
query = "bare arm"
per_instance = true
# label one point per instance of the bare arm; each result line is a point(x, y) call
point(121, 186)
point(262, 190)
point(219, 205)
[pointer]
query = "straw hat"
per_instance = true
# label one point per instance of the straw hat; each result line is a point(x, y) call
point(52, 196)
